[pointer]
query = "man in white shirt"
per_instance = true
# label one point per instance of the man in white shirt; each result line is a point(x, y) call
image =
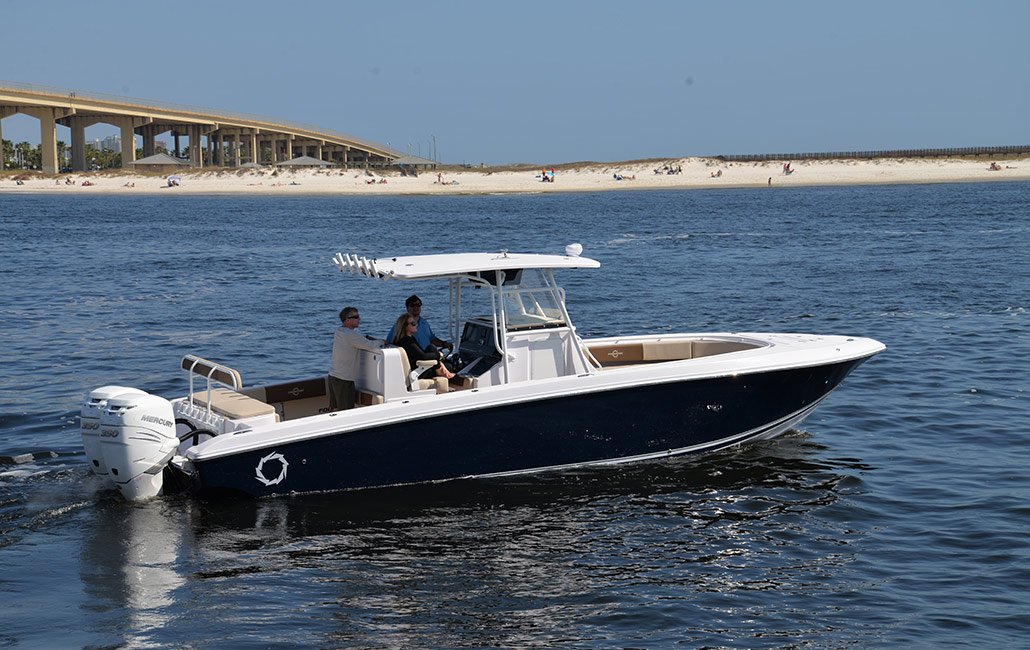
point(343, 369)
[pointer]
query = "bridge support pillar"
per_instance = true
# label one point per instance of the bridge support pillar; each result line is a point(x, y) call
point(194, 145)
point(48, 143)
point(236, 149)
point(47, 136)
point(255, 156)
point(78, 128)
point(149, 141)
point(128, 142)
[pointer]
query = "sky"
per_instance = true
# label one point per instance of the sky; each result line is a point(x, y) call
point(553, 82)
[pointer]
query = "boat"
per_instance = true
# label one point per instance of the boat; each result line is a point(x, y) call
point(529, 395)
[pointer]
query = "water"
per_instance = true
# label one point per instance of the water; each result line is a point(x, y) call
point(896, 518)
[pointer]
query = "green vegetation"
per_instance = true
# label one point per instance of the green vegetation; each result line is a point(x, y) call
point(21, 155)
point(26, 157)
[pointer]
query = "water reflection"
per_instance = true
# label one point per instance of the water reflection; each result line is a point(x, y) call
point(132, 567)
point(508, 563)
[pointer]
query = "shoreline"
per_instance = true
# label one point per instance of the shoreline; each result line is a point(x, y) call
point(695, 173)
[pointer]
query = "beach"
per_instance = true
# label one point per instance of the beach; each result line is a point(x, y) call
point(693, 173)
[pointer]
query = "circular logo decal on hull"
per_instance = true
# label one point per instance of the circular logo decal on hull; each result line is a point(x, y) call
point(260, 470)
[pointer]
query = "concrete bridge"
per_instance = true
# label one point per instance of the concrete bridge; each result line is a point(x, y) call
point(232, 139)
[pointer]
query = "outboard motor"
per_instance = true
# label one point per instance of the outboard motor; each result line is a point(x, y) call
point(137, 439)
point(89, 427)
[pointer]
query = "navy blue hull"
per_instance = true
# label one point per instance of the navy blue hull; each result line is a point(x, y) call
point(577, 429)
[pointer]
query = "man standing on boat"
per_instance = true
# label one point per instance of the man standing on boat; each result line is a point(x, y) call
point(424, 335)
point(343, 369)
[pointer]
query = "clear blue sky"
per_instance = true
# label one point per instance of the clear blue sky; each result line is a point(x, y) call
point(552, 82)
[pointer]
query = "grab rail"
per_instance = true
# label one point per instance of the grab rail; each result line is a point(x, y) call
point(210, 371)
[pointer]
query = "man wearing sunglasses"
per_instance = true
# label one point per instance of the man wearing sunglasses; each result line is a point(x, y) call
point(343, 369)
point(424, 335)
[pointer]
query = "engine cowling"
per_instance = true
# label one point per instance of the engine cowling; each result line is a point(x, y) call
point(137, 439)
point(89, 427)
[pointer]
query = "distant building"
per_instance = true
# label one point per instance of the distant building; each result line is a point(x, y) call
point(159, 162)
point(304, 161)
point(414, 162)
point(112, 142)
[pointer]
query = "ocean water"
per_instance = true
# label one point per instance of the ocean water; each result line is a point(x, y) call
point(897, 516)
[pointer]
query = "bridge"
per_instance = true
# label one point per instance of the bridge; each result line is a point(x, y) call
point(232, 139)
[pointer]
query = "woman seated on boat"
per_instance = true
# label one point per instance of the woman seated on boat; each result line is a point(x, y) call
point(404, 337)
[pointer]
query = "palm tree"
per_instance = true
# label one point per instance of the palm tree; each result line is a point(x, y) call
point(22, 150)
point(109, 159)
point(36, 157)
point(92, 156)
point(8, 152)
point(62, 152)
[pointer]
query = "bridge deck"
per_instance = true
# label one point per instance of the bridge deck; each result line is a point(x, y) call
point(232, 138)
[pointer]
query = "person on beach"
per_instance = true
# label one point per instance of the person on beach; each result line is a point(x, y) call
point(404, 331)
point(424, 334)
point(343, 368)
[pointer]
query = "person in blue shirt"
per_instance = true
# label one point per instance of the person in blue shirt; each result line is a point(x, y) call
point(424, 335)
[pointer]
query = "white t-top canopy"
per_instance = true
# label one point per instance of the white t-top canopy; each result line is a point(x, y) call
point(420, 267)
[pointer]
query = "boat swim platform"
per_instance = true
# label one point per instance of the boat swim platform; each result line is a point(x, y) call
point(232, 138)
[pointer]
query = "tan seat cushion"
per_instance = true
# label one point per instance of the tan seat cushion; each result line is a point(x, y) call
point(424, 382)
point(667, 350)
point(618, 355)
point(231, 404)
point(439, 383)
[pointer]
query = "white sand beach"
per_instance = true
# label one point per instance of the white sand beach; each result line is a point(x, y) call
point(697, 173)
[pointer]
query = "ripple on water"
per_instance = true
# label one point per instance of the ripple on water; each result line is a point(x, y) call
point(895, 519)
